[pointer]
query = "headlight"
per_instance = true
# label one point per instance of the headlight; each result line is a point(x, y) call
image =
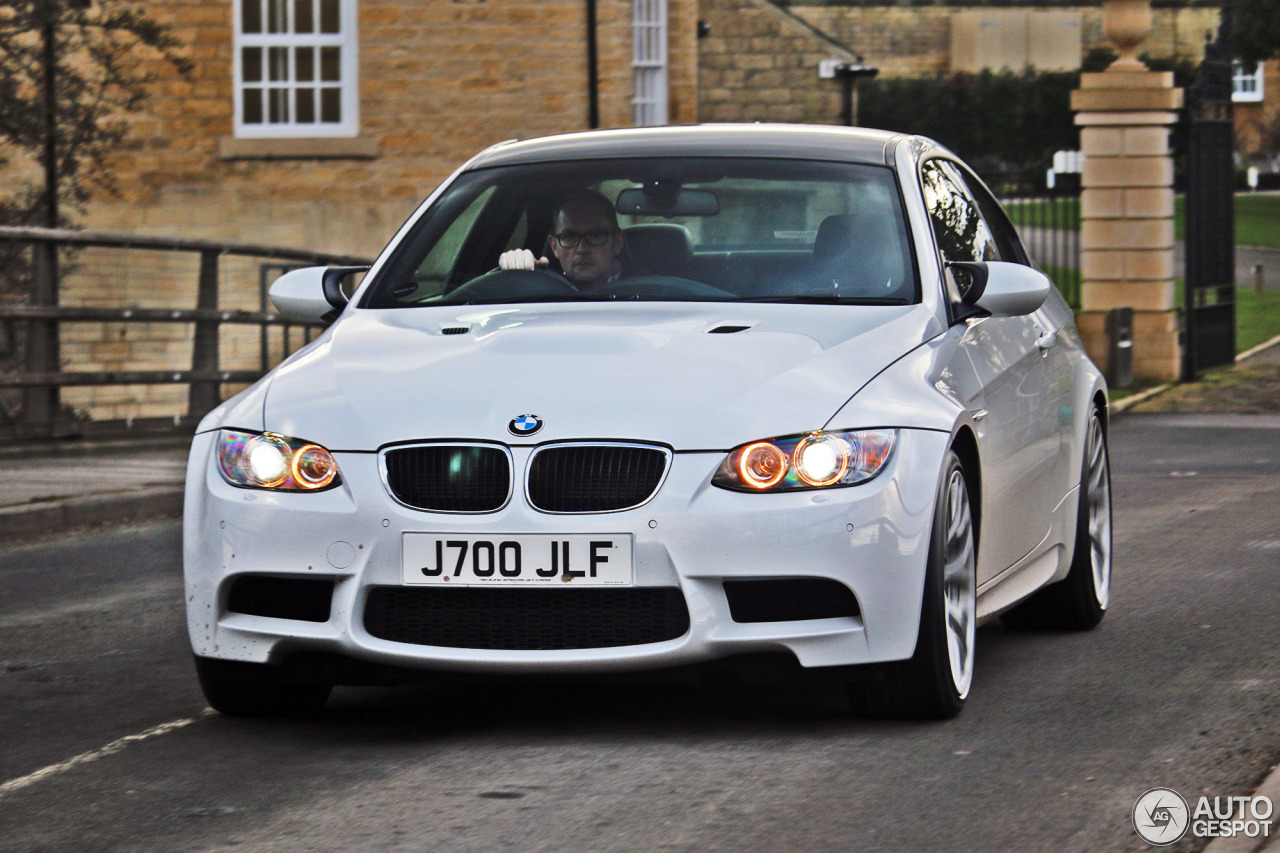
point(270, 461)
point(816, 460)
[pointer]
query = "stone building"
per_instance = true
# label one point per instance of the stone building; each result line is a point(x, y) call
point(1257, 115)
point(321, 123)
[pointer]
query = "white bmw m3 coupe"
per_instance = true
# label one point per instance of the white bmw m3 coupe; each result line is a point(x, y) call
point(644, 399)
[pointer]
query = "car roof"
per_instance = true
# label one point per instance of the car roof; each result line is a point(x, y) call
point(805, 142)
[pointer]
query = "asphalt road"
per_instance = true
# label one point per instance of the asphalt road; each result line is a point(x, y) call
point(105, 742)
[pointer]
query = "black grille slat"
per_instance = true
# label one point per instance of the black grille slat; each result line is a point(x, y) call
point(594, 478)
point(526, 619)
point(449, 477)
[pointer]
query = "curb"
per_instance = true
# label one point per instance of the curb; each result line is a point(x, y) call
point(60, 516)
point(1252, 351)
point(1270, 788)
point(1135, 399)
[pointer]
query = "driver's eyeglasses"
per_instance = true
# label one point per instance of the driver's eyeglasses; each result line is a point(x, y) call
point(569, 239)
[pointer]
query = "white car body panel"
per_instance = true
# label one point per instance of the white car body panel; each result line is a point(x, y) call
point(590, 371)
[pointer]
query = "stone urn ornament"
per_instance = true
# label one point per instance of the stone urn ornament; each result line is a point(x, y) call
point(1126, 24)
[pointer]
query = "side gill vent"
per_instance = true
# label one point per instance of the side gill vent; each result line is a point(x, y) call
point(454, 330)
point(727, 329)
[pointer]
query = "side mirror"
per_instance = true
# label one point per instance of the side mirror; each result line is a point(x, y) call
point(1001, 288)
point(312, 294)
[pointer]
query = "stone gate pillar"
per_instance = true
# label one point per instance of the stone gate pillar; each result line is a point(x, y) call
point(1126, 239)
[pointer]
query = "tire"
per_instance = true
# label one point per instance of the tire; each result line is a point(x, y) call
point(1079, 601)
point(248, 690)
point(934, 683)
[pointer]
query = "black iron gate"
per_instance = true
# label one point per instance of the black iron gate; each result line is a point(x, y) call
point(1210, 211)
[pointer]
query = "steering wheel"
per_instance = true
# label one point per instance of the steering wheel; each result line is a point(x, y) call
point(512, 284)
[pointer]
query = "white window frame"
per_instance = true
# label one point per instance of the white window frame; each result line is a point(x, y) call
point(1246, 87)
point(649, 104)
point(348, 84)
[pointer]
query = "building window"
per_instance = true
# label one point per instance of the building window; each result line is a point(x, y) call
point(1246, 85)
point(649, 62)
point(295, 68)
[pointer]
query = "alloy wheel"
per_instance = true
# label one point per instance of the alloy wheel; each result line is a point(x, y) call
point(1099, 507)
point(958, 584)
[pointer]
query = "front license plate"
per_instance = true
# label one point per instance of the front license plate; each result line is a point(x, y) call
point(527, 558)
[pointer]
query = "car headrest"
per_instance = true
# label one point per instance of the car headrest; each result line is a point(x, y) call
point(659, 246)
point(834, 236)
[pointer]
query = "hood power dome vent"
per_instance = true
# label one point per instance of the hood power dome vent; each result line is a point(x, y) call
point(727, 329)
point(454, 330)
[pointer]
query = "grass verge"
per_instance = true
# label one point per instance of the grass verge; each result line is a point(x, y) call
point(1257, 317)
point(1256, 220)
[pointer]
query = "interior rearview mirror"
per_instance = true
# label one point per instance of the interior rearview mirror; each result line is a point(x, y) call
point(659, 200)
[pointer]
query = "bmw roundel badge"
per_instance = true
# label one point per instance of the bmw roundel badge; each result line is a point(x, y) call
point(525, 425)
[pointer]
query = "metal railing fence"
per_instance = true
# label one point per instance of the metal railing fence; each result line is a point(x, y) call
point(1049, 223)
point(84, 310)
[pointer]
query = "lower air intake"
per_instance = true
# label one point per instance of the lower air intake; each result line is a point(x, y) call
point(526, 619)
point(301, 599)
point(789, 600)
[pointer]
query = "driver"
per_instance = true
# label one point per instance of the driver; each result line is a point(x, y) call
point(585, 238)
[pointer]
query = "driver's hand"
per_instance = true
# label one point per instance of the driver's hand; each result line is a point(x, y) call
point(521, 259)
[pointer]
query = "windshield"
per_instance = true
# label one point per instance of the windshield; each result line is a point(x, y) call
point(717, 229)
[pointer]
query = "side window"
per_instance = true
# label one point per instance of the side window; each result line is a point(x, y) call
point(958, 225)
point(1008, 245)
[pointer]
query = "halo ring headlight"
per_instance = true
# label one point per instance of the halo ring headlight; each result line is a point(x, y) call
point(313, 467)
point(762, 465)
point(267, 460)
point(821, 460)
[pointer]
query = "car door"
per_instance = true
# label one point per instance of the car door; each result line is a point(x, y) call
point(1015, 408)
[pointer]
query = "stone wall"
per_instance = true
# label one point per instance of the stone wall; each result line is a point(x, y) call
point(761, 63)
point(903, 40)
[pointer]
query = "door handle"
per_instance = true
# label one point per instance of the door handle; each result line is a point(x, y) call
point(1045, 340)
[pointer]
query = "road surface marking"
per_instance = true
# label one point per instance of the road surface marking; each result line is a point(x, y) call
point(93, 755)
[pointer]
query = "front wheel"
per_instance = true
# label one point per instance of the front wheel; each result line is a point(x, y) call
point(248, 690)
point(935, 682)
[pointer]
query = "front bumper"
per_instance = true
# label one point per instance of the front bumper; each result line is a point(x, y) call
point(692, 537)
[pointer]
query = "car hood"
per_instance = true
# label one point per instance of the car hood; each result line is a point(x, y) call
point(693, 376)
